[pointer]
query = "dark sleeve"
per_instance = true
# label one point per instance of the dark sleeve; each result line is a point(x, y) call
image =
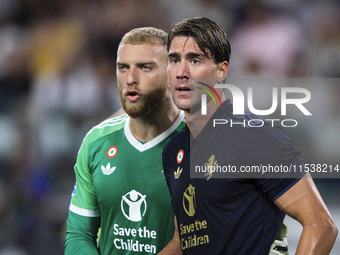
point(81, 235)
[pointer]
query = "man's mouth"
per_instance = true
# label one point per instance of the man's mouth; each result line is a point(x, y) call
point(132, 95)
point(185, 89)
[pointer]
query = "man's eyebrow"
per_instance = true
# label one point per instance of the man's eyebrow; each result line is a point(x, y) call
point(173, 54)
point(194, 55)
point(145, 63)
point(121, 63)
point(189, 55)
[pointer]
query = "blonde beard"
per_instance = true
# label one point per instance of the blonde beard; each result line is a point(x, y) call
point(146, 105)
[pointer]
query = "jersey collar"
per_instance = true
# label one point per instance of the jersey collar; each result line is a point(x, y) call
point(145, 146)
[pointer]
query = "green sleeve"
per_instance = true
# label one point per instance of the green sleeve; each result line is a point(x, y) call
point(81, 235)
point(84, 196)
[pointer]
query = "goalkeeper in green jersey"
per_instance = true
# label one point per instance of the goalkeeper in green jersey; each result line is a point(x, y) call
point(120, 187)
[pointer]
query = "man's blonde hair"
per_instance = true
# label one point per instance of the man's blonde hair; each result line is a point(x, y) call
point(145, 35)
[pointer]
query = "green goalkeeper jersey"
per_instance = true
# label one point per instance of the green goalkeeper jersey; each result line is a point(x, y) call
point(121, 180)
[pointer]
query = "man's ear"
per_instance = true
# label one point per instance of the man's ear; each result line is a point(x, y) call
point(222, 71)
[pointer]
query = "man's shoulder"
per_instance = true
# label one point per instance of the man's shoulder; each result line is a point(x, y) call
point(178, 138)
point(179, 141)
point(106, 127)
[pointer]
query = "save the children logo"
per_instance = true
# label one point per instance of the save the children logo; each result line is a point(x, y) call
point(189, 201)
point(133, 205)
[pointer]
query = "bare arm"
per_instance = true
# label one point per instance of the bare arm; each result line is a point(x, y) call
point(174, 246)
point(304, 203)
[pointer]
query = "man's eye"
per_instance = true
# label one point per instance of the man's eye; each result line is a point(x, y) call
point(122, 68)
point(195, 61)
point(174, 61)
point(146, 68)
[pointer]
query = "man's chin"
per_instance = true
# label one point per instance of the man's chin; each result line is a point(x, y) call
point(134, 112)
point(183, 104)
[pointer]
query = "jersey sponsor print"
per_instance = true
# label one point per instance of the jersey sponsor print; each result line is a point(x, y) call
point(121, 180)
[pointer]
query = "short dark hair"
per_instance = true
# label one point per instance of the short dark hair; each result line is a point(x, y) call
point(210, 37)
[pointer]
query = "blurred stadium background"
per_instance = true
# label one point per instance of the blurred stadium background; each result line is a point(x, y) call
point(57, 80)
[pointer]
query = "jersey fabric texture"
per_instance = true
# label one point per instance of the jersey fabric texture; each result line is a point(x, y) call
point(120, 180)
point(236, 214)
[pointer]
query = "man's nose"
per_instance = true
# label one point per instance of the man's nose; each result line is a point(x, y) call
point(183, 70)
point(132, 77)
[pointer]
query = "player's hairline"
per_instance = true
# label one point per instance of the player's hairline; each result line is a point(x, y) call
point(145, 36)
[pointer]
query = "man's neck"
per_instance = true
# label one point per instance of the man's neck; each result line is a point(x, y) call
point(196, 121)
point(148, 127)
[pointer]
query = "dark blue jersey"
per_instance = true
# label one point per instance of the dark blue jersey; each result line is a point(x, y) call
point(234, 214)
